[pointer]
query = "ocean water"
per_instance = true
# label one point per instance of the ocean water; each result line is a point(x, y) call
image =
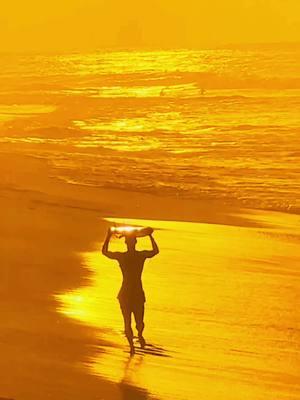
point(222, 318)
point(211, 124)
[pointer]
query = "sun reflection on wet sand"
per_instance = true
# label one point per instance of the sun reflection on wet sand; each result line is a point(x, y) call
point(220, 311)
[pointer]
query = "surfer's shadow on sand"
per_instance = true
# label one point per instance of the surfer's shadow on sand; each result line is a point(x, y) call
point(129, 387)
point(131, 392)
point(131, 367)
point(153, 350)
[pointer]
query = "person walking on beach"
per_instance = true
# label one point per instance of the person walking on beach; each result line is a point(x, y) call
point(131, 295)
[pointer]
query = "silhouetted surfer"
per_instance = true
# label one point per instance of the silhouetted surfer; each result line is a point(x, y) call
point(131, 295)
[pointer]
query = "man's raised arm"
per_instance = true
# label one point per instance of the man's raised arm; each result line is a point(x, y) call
point(155, 249)
point(105, 251)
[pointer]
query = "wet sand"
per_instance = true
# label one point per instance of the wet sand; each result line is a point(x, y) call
point(47, 226)
point(41, 351)
point(220, 311)
point(44, 225)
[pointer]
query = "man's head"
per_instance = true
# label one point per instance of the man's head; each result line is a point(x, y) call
point(130, 242)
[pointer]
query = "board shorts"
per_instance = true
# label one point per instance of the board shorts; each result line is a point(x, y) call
point(131, 300)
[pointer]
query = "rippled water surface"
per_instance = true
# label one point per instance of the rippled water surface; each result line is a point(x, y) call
point(221, 124)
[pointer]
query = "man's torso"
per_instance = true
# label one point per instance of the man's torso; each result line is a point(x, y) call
point(132, 264)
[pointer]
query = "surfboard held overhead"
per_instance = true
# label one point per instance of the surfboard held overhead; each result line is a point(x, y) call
point(122, 231)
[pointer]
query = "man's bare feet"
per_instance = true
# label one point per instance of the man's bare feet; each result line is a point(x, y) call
point(142, 342)
point(132, 351)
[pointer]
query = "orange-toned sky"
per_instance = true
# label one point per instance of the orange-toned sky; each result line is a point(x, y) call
point(51, 25)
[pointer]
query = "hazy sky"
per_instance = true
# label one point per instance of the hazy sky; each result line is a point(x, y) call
point(90, 24)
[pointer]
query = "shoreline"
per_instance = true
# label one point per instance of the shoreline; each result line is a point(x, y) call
point(33, 179)
point(226, 309)
point(41, 350)
point(42, 233)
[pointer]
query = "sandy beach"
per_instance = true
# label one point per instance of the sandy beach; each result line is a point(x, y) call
point(42, 233)
point(178, 125)
point(45, 239)
point(40, 350)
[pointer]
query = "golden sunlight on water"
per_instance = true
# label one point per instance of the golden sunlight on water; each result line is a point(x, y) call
point(139, 62)
point(219, 61)
point(11, 112)
point(220, 312)
point(206, 122)
point(143, 92)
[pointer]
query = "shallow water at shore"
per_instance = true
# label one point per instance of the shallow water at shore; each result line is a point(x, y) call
point(220, 312)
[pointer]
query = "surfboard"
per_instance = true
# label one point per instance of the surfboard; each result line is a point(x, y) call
point(122, 231)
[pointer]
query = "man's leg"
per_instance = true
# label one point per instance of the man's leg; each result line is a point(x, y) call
point(126, 312)
point(139, 311)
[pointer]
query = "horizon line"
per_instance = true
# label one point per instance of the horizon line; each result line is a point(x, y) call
point(229, 46)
